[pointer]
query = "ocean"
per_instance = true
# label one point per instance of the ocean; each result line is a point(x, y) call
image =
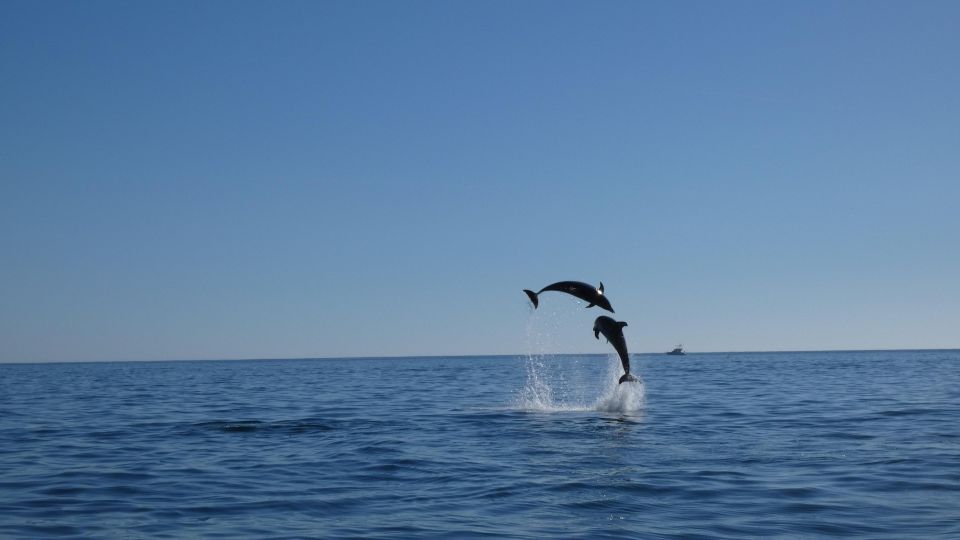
point(721, 445)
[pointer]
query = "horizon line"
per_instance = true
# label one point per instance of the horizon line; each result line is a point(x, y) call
point(520, 355)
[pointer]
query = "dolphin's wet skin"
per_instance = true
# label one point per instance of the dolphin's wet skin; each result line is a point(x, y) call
point(584, 291)
point(613, 331)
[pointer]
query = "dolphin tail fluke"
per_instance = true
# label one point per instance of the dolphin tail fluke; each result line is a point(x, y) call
point(627, 378)
point(533, 298)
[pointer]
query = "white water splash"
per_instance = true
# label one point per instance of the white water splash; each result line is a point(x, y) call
point(626, 397)
point(538, 394)
point(566, 384)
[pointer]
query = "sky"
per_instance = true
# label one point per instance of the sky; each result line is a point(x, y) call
point(193, 180)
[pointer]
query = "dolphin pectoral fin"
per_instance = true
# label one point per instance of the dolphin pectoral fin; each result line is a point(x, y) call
point(590, 306)
point(533, 297)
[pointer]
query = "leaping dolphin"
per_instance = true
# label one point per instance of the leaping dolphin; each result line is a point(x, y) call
point(613, 331)
point(584, 291)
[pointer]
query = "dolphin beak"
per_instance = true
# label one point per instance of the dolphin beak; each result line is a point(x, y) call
point(596, 333)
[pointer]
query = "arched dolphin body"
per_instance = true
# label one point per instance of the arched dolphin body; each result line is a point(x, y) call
point(584, 291)
point(613, 331)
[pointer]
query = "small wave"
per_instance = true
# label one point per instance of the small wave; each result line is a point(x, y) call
point(234, 427)
point(250, 426)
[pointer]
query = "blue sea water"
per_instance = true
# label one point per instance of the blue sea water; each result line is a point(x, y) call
point(748, 445)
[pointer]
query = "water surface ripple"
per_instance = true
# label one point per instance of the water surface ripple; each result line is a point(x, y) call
point(833, 444)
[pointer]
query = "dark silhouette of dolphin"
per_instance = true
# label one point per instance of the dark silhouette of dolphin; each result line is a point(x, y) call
point(613, 331)
point(584, 291)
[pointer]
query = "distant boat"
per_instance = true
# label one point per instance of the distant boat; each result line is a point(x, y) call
point(678, 351)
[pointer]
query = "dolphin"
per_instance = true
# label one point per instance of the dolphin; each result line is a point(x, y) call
point(613, 331)
point(583, 291)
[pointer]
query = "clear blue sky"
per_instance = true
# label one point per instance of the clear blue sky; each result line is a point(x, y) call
point(302, 179)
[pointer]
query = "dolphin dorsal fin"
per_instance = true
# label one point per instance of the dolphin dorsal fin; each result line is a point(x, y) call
point(600, 288)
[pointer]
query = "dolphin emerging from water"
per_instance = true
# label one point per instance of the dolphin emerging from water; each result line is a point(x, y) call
point(583, 291)
point(613, 331)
